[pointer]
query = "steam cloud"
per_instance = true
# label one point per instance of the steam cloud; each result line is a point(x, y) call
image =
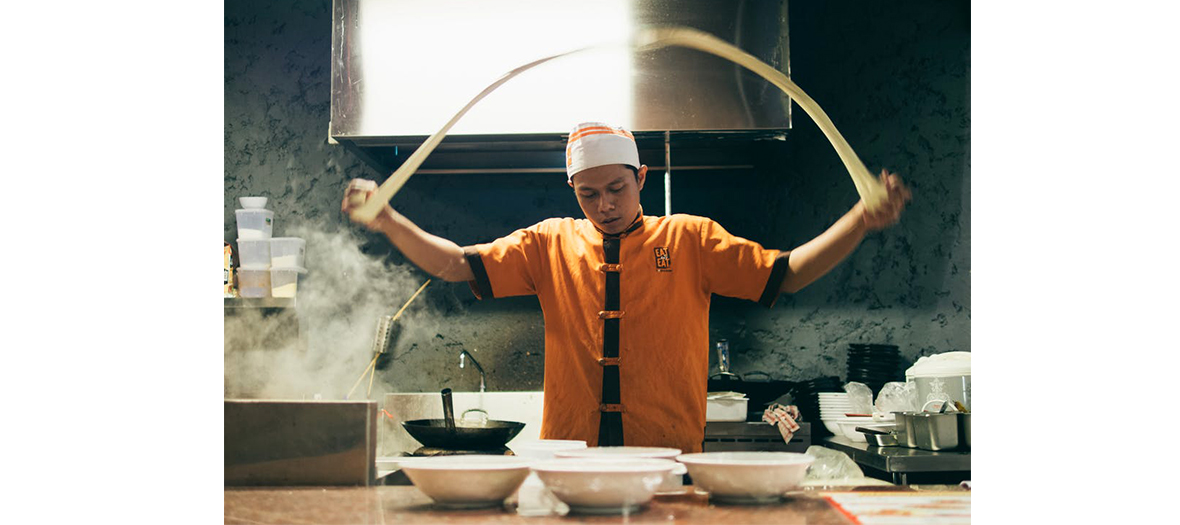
point(338, 304)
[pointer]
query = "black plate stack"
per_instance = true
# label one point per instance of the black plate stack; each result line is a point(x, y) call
point(874, 365)
point(806, 399)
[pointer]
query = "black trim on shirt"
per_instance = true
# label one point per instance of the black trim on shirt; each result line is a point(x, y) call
point(778, 274)
point(610, 424)
point(481, 286)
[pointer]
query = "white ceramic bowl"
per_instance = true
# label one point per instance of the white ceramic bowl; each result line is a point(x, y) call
point(253, 203)
point(673, 482)
point(545, 448)
point(832, 426)
point(621, 452)
point(604, 486)
point(747, 477)
point(848, 427)
point(467, 482)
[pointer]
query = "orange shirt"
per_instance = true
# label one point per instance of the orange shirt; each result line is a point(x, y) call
point(668, 269)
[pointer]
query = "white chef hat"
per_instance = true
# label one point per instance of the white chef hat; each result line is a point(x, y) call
point(594, 144)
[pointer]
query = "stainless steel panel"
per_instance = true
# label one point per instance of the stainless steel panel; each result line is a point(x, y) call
point(934, 431)
point(400, 68)
point(900, 459)
point(747, 436)
point(273, 442)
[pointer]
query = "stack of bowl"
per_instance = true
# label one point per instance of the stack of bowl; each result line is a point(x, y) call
point(834, 407)
point(874, 365)
point(805, 396)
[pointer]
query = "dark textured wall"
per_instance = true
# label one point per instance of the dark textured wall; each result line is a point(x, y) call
point(893, 77)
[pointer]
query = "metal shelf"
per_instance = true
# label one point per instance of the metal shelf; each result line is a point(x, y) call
point(260, 302)
point(901, 459)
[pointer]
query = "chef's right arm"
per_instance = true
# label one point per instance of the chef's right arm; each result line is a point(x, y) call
point(435, 255)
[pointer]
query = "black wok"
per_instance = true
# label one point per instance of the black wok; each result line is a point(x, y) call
point(443, 433)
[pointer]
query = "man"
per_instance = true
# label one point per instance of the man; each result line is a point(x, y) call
point(626, 296)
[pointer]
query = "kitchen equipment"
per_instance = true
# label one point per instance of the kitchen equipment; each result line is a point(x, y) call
point(253, 203)
point(878, 437)
point(848, 427)
point(284, 282)
point(762, 390)
point(372, 111)
point(467, 482)
point(388, 331)
point(254, 224)
point(965, 430)
point(287, 252)
point(754, 437)
point(604, 485)
point(726, 406)
point(443, 433)
point(253, 282)
point(905, 422)
point(935, 431)
point(746, 477)
point(941, 376)
point(279, 443)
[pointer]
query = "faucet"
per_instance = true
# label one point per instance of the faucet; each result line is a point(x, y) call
point(464, 355)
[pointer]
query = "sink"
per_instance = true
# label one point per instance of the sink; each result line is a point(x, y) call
point(393, 440)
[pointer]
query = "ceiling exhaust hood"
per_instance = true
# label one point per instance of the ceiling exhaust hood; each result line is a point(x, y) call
point(402, 68)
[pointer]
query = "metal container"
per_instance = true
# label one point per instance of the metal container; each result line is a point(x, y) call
point(965, 430)
point(877, 438)
point(905, 425)
point(935, 431)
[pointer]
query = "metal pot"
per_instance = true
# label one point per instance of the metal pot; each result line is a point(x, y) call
point(443, 433)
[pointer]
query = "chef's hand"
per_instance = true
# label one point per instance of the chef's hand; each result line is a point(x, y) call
point(355, 195)
point(889, 212)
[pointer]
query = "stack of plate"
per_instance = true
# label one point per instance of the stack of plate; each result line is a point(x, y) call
point(804, 396)
point(873, 365)
point(833, 408)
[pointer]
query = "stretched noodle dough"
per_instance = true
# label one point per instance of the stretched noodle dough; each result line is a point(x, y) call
point(871, 191)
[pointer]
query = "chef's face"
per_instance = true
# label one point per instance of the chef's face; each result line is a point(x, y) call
point(609, 195)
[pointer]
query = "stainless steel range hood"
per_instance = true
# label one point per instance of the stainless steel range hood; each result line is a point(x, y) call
point(402, 68)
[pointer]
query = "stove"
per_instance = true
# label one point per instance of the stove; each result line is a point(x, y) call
point(434, 451)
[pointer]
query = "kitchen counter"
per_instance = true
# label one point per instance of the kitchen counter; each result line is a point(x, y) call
point(406, 504)
point(902, 463)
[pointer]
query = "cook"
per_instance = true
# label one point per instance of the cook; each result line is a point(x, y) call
point(625, 296)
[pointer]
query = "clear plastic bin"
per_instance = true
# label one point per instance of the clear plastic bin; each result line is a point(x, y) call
point(254, 253)
point(254, 224)
point(284, 282)
point(287, 252)
point(254, 282)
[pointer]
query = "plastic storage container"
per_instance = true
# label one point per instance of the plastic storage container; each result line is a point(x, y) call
point(254, 282)
point(726, 409)
point(284, 282)
point(254, 253)
point(286, 252)
point(254, 224)
point(942, 376)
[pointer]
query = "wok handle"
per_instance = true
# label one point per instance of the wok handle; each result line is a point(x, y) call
point(448, 410)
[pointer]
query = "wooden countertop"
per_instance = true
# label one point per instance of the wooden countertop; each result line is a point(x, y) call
point(406, 504)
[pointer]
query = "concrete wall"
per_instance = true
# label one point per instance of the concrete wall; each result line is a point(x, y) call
point(893, 77)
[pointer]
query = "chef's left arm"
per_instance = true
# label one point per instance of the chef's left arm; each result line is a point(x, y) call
point(818, 256)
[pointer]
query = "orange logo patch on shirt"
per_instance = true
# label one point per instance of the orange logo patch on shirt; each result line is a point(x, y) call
point(663, 260)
